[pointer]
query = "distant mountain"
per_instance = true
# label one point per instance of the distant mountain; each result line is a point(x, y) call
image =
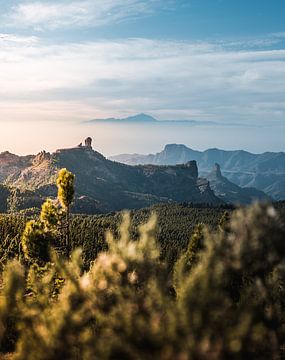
point(147, 119)
point(265, 172)
point(232, 193)
point(140, 118)
point(172, 154)
point(103, 185)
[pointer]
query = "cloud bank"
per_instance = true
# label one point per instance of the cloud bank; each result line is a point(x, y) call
point(169, 79)
point(53, 15)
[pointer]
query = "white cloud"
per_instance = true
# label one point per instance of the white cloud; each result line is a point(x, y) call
point(61, 14)
point(10, 38)
point(166, 78)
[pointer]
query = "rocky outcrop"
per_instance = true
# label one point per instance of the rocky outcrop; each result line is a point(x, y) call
point(232, 193)
point(11, 163)
point(111, 186)
point(265, 172)
point(41, 157)
point(88, 143)
point(216, 172)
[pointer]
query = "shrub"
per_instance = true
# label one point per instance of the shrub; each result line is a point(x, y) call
point(228, 304)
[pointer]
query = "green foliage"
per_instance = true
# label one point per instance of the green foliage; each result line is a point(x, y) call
point(36, 242)
point(189, 259)
point(175, 224)
point(12, 291)
point(229, 301)
point(13, 201)
point(17, 200)
point(224, 221)
point(4, 195)
point(40, 234)
point(65, 184)
point(119, 309)
point(49, 216)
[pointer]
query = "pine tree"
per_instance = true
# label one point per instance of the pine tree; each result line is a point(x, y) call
point(230, 303)
point(40, 235)
point(36, 243)
point(65, 184)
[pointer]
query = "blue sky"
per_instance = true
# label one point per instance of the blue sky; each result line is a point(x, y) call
point(181, 19)
point(221, 60)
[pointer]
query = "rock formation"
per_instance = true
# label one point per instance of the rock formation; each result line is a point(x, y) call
point(265, 172)
point(88, 143)
point(41, 157)
point(232, 193)
point(217, 171)
point(112, 186)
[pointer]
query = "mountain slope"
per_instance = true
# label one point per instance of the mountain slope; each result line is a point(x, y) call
point(103, 185)
point(10, 163)
point(232, 193)
point(265, 172)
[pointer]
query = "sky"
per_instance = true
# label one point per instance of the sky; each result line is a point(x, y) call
point(63, 62)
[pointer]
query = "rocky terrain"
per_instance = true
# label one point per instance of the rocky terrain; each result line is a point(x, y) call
point(102, 185)
point(232, 193)
point(10, 163)
point(265, 172)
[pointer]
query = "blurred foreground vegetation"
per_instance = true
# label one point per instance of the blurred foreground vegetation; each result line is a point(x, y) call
point(189, 283)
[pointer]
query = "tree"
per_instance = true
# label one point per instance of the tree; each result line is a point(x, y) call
point(40, 234)
point(230, 303)
point(233, 300)
point(65, 184)
point(189, 259)
point(49, 216)
point(35, 243)
point(13, 201)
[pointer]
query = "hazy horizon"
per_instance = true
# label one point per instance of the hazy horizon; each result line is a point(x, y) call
point(63, 62)
point(112, 139)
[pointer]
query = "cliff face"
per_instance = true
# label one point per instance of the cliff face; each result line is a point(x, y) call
point(116, 186)
point(265, 172)
point(40, 171)
point(104, 185)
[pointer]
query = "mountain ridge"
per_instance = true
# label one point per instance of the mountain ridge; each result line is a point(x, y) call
point(103, 185)
point(265, 171)
point(143, 118)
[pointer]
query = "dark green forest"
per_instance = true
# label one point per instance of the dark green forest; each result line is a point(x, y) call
point(175, 224)
point(173, 281)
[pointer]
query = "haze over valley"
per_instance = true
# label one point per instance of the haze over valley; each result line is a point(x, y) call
point(113, 139)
